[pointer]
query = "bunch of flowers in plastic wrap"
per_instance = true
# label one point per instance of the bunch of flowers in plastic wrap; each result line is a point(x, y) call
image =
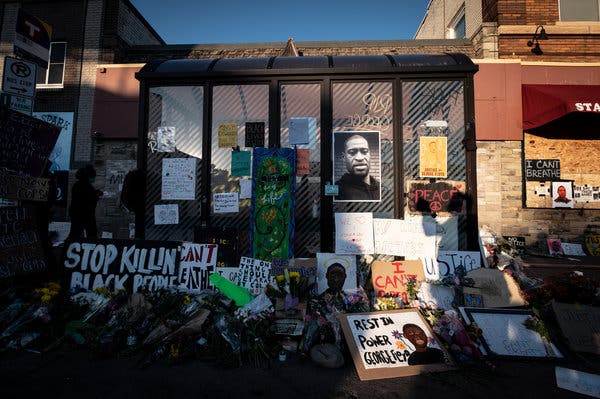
point(456, 338)
point(388, 303)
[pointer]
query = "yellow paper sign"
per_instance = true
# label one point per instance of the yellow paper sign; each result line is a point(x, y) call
point(433, 157)
point(228, 135)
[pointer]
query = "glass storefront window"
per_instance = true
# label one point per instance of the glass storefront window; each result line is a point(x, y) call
point(174, 131)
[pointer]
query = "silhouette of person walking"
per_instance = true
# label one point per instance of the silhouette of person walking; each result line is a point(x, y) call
point(84, 198)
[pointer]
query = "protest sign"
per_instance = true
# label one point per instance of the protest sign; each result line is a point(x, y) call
point(196, 265)
point(254, 274)
point(446, 262)
point(444, 197)
point(226, 238)
point(324, 260)
point(23, 187)
point(133, 265)
point(354, 233)
point(580, 325)
point(178, 179)
point(392, 277)
point(410, 238)
point(20, 249)
point(393, 343)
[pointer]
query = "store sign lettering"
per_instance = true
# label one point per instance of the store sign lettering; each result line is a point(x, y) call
point(587, 107)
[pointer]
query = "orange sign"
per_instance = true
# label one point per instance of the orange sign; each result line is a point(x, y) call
point(392, 277)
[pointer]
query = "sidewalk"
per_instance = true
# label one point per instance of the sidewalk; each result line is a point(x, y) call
point(76, 375)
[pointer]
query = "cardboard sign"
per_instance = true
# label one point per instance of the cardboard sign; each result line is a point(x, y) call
point(133, 265)
point(255, 134)
point(254, 274)
point(306, 267)
point(197, 263)
point(505, 335)
point(227, 238)
point(412, 239)
point(580, 325)
point(385, 344)
point(20, 249)
point(447, 261)
point(444, 197)
point(23, 187)
point(392, 277)
point(542, 169)
point(498, 289)
point(25, 142)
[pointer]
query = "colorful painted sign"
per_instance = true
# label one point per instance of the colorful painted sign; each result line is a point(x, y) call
point(272, 216)
point(592, 243)
point(392, 344)
point(442, 197)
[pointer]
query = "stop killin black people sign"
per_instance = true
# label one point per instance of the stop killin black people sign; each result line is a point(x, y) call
point(132, 265)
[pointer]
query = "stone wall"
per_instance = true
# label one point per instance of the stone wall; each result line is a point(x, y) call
point(500, 201)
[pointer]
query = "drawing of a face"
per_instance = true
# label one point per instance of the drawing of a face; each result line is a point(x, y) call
point(336, 276)
point(415, 335)
point(357, 156)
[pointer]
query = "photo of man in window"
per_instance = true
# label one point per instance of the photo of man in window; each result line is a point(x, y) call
point(562, 192)
point(356, 168)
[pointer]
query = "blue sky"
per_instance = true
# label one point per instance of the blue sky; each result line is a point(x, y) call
point(244, 21)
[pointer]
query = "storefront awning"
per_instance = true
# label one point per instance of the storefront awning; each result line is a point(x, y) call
point(560, 107)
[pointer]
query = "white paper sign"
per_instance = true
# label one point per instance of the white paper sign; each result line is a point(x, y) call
point(299, 130)
point(410, 238)
point(165, 139)
point(197, 263)
point(178, 179)
point(166, 214)
point(254, 274)
point(578, 381)
point(354, 233)
point(572, 249)
point(245, 188)
point(447, 261)
point(324, 260)
point(436, 296)
point(226, 202)
point(446, 230)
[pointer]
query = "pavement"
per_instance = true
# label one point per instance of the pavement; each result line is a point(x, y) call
point(75, 374)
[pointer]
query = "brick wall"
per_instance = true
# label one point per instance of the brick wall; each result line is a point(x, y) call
point(131, 29)
point(500, 201)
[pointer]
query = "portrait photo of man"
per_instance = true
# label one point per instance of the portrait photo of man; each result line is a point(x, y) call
point(562, 194)
point(356, 166)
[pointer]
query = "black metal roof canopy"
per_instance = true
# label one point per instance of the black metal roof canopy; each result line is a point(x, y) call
point(321, 65)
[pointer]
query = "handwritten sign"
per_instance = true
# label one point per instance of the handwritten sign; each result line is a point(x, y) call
point(324, 260)
point(166, 214)
point(132, 265)
point(240, 163)
point(392, 277)
point(20, 249)
point(227, 133)
point(433, 160)
point(178, 179)
point(196, 265)
point(505, 335)
point(25, 142)
point(580, 325)
point(409, 238)
point(255, 134)
point(302, 161)
point(436, 296)
point(354, 233)
point(226, 202)
point(516, 242)
point(542, 169)
point(23, 187)
point(254, 274)
point(442, 197)
point(383, 344)
point(446, 262)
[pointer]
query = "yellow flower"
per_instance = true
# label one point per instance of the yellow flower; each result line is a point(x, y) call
point(295, 275)
point(46, 298)
point(186, 300)
point(400, 345)
point(280, 278)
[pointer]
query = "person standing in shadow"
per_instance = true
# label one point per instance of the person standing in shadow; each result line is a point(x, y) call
point(84, 198)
